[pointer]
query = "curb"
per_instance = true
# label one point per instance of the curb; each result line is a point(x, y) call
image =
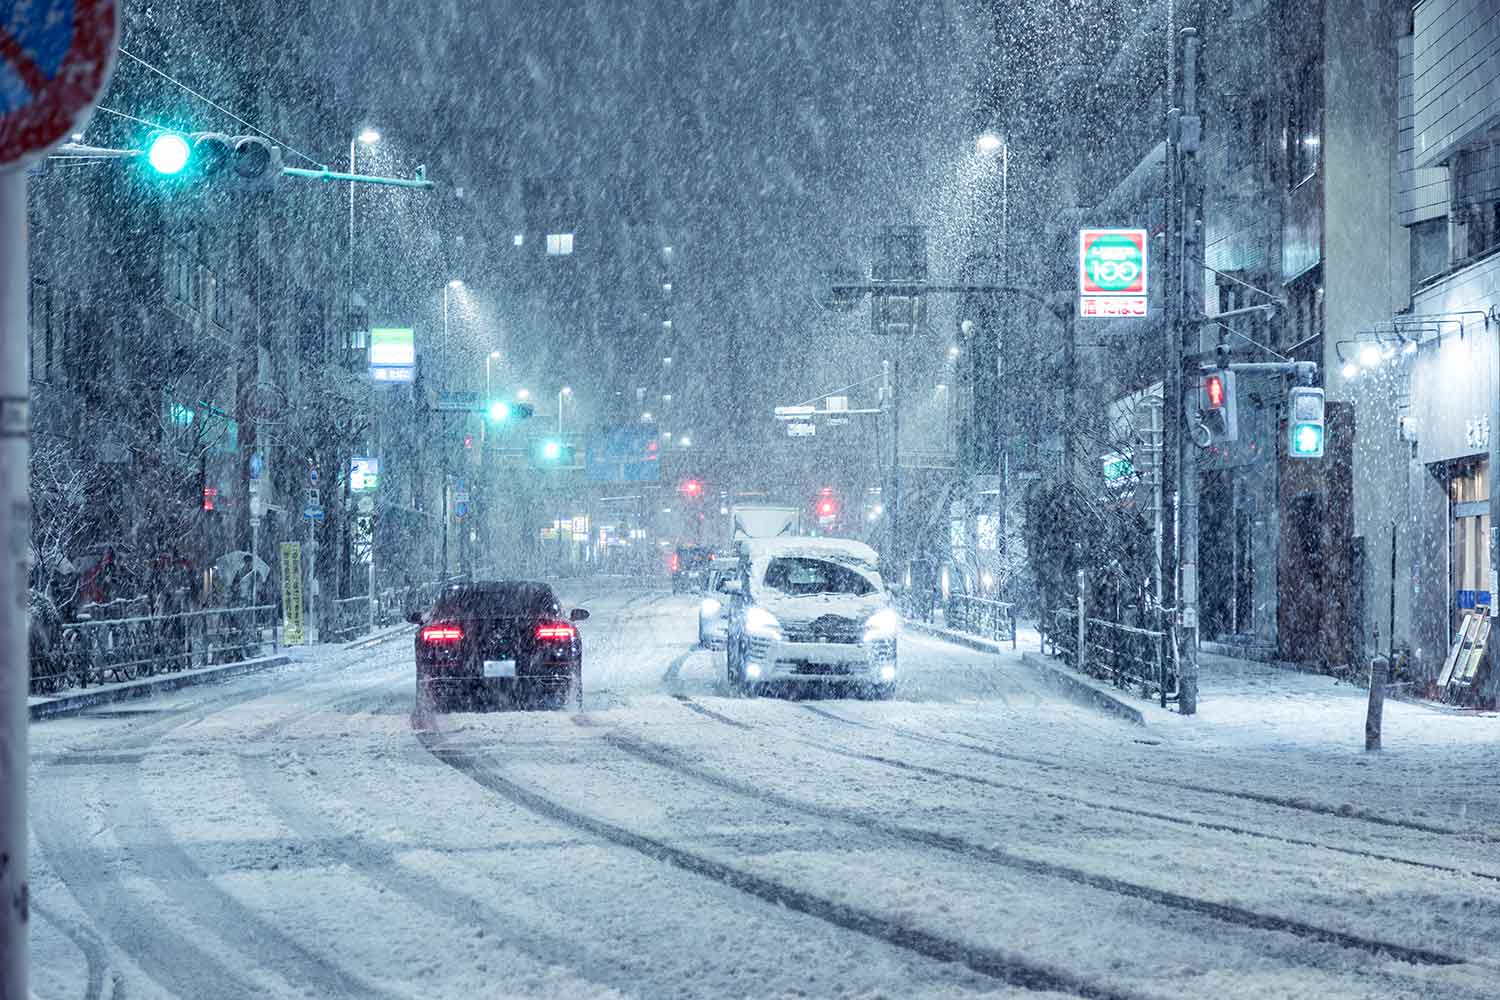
point(1064, 681)
point(70, 704)
point(958, 638)
point(1085, 693)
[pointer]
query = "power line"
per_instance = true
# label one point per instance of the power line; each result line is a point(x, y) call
point(211, 103)
point(121, 114)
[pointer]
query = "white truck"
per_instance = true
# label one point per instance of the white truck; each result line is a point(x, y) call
point(764, 521)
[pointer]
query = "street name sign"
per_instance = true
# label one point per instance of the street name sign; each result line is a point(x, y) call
point(1112, 272)
point(801, 430)
point(55, 58)
point(460, 402)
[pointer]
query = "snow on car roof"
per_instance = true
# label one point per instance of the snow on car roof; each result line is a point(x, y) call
point(839, 549)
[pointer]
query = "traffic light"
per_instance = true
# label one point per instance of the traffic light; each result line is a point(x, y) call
point(1217, 404)
point(245, 162)
point(826, 506)
point(1306, 423)
point(502, 411)
point(552, 454)
point(691, 488)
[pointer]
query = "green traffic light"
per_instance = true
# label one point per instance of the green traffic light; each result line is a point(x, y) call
point(499, 412)
point(551, 451)
point(168, 153)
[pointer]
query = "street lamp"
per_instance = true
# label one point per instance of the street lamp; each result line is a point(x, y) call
point(989, 142)
point(564, 391)
point(523, 394)
point(493, 355)
point(369, 137)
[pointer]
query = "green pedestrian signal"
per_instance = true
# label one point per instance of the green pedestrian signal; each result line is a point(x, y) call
point(1307, 423)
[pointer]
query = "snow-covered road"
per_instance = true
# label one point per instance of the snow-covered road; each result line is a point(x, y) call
point(299, 834)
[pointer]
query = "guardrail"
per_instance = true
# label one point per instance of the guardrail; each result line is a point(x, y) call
point(981, 617)
point(1126, 656)
point(122, 649)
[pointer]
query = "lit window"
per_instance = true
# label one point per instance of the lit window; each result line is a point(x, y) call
point(518, 239)
point(666, 286)
point(559, 244)
point(666, 397)
point(666, 324)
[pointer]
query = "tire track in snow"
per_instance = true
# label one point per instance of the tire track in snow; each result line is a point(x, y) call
point(87, 942)
point(160, 951)
point(379, 865)
point(1264, 798)
point(996, 964)
point(667, 758)
point(1023, 789)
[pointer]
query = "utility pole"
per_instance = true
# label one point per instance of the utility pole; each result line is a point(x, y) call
point(15, 532)
point(1186, 306)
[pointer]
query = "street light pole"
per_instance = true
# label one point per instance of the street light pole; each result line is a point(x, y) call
point(564, 391)
point(442, 372)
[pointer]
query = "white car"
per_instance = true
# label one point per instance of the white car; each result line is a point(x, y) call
point(713, 614)
point(810, 610)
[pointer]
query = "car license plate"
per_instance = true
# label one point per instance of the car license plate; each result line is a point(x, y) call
point(499, 668)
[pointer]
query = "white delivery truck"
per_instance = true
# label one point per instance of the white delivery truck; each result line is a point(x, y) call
point(763, 521)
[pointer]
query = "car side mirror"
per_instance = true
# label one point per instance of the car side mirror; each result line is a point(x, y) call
point(578, 615)
point(415, 617)
point(730, 587)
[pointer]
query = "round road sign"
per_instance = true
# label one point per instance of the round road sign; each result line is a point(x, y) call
point(55, 58)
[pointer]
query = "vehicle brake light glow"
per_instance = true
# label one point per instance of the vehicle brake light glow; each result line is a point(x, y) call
point(555, 631)
point(442, 634)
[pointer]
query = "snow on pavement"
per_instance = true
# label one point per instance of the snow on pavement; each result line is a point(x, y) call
point(299, 833)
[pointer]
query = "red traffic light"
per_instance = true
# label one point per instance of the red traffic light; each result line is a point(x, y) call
point(1214, 392)
point(826, 508)
point(691, 488)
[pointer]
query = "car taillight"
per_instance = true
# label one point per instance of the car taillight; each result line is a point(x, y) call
point(555, 632)
point(442, 635)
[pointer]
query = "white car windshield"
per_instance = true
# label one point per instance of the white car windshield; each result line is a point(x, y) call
point(800, 576)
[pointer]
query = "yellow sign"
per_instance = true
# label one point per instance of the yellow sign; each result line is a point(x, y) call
point(291, 594)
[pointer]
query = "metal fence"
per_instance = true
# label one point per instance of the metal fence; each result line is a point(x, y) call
point(122, 649)
point(1124, 655)
point(981, 616)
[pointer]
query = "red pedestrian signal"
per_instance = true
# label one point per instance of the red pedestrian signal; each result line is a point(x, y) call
point(1213, 392)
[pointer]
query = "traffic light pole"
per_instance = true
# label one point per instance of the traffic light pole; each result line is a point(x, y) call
point(1186, 298)
point(15, 533)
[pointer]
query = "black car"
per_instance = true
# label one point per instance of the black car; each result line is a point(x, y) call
point(690, 566)
point(498, 637)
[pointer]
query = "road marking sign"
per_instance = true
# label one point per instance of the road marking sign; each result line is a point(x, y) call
point(55, 58)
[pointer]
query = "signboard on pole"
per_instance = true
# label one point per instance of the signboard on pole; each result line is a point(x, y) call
point(291, 594)
point(55, 60)
point(1112, 272)
point(801, 430)
point(393, 353)
point(364, 474)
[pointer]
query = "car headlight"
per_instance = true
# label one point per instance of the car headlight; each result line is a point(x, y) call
point(883, 624)
point(760, 622)
point(710, 607)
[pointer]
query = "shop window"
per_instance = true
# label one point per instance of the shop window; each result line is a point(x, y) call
point(1469, 493)
point(1429, 250)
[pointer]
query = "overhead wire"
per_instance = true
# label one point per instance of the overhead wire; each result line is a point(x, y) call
point(219, 107)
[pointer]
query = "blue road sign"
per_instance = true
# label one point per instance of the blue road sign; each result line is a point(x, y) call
point(55, 57)
point(313, 513)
